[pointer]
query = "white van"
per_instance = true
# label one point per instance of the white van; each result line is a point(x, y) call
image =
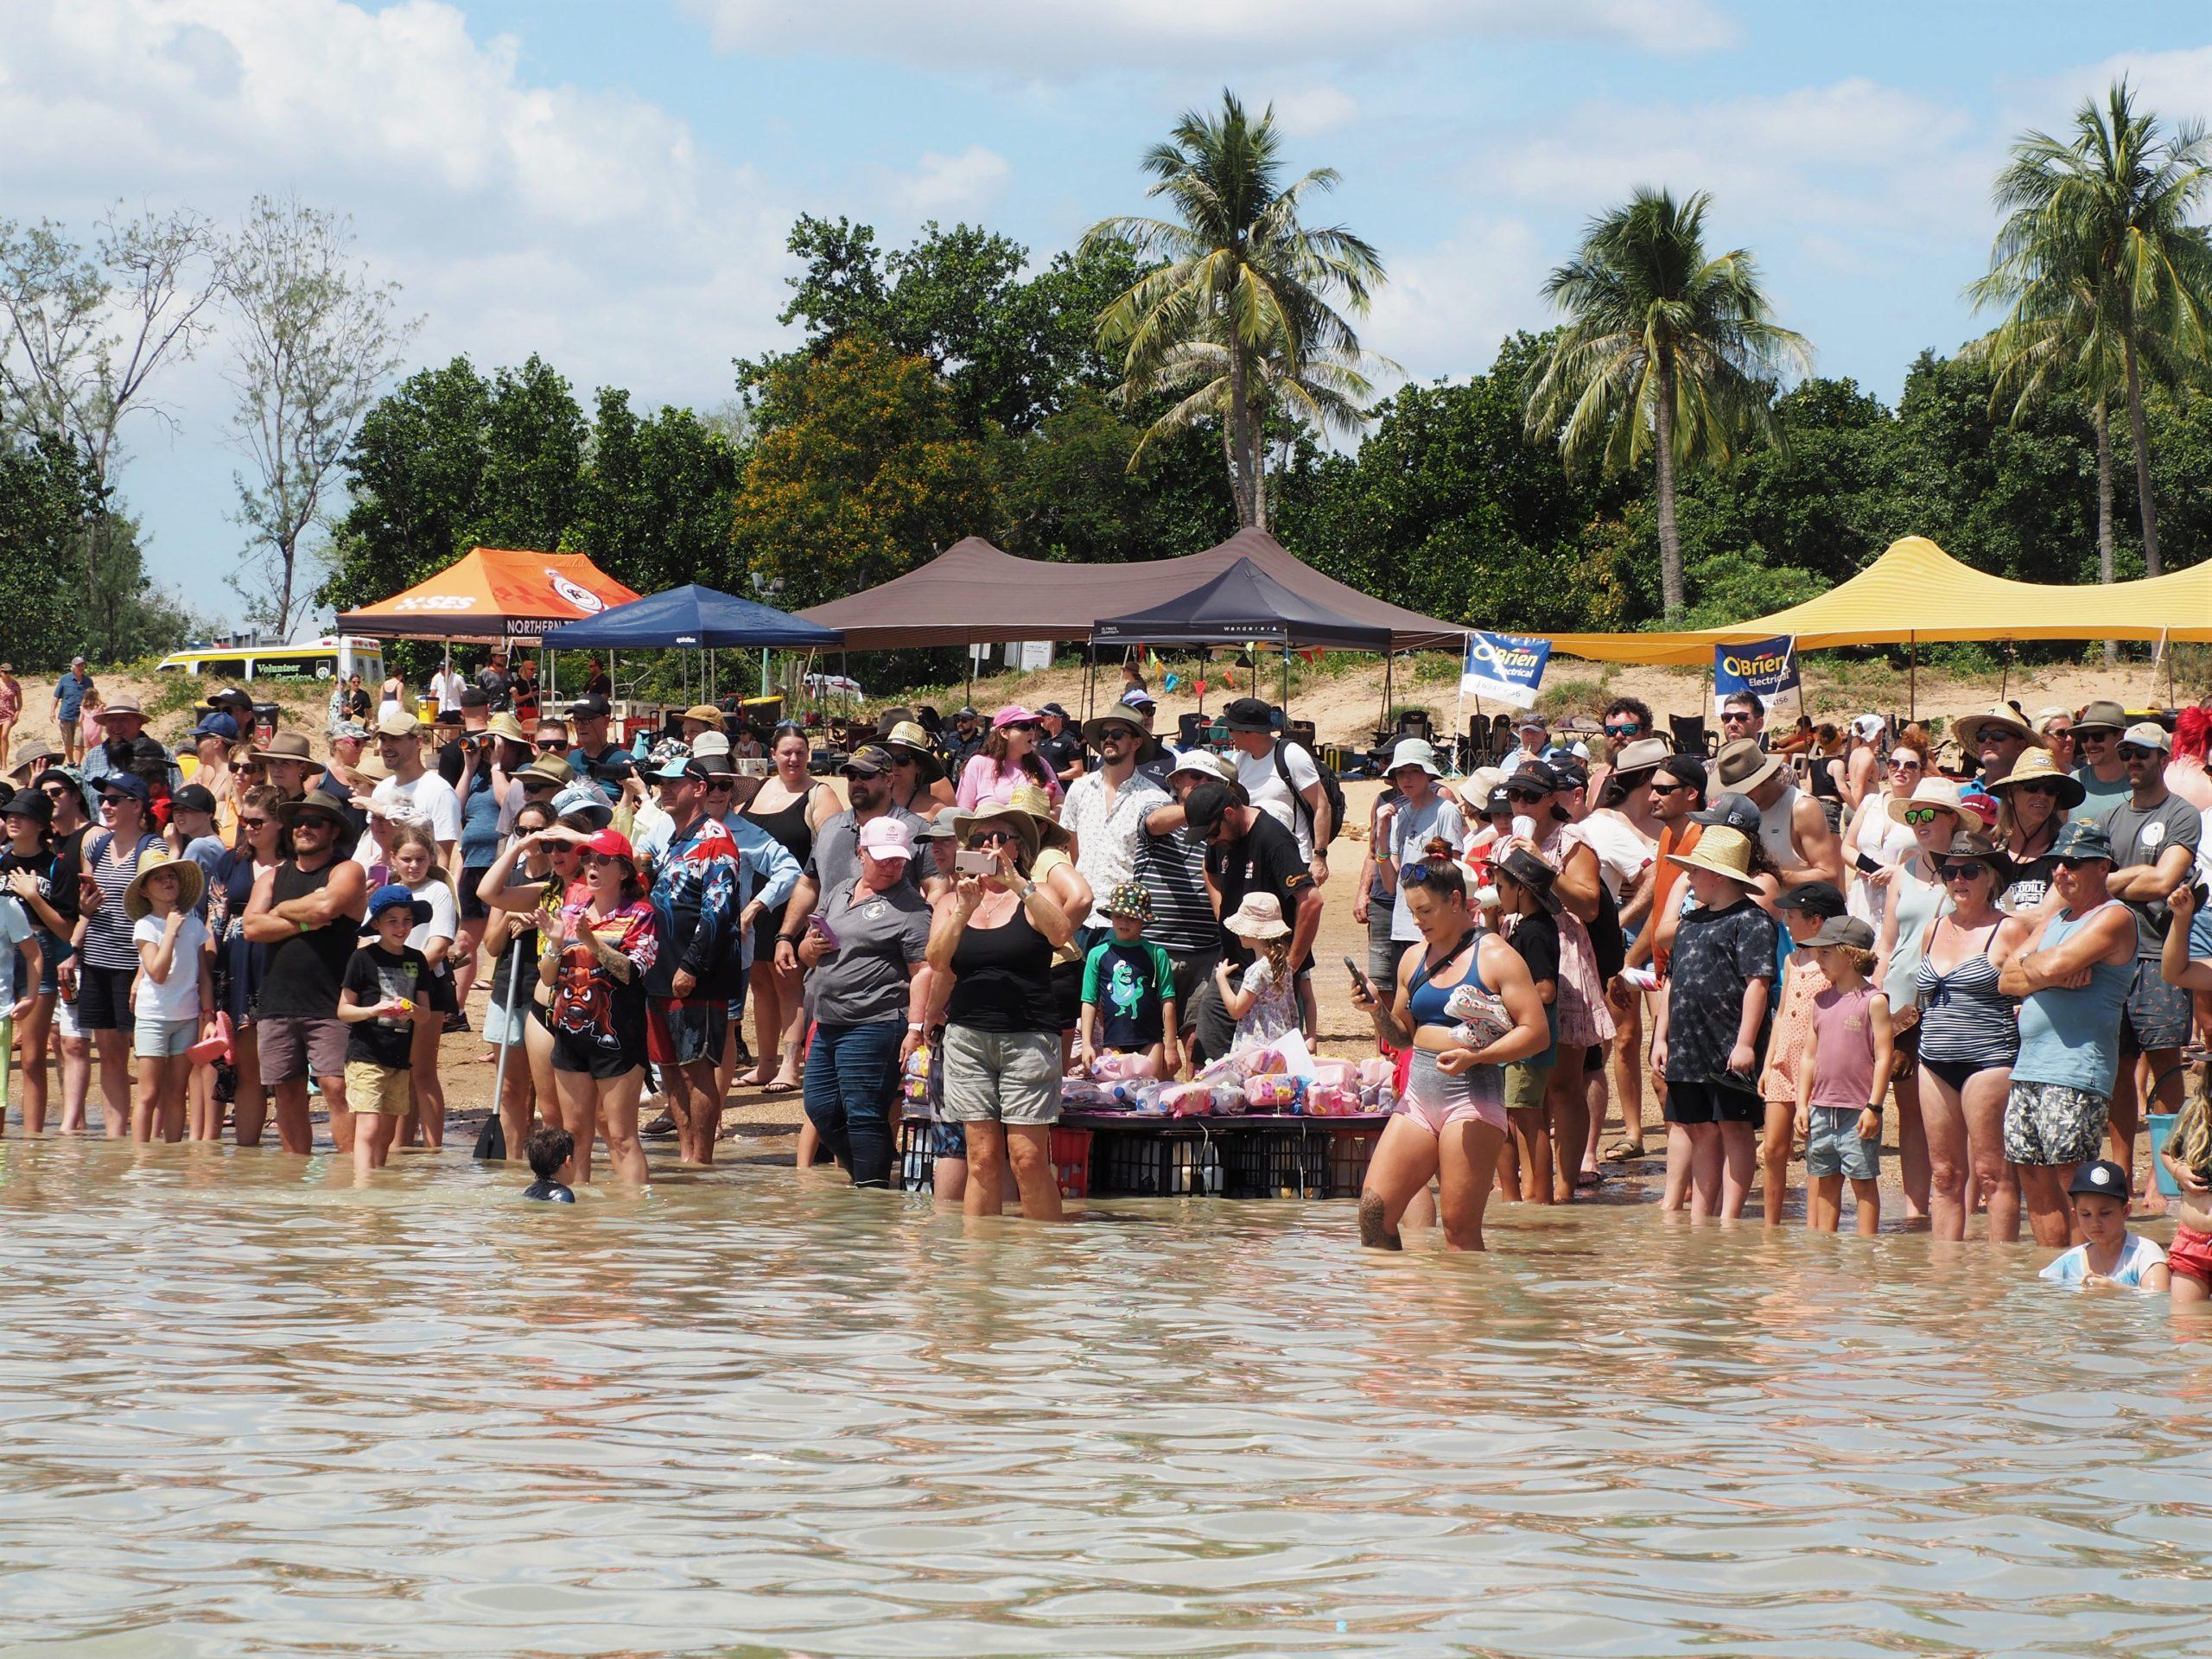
point(331, 656)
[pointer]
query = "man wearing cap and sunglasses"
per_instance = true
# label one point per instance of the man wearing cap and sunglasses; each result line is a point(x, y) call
point(2102, 776)
point(1106, 812)
point(399, 746)
point(596, 756)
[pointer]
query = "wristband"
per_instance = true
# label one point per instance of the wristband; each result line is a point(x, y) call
point(913, 1025)
point(303, 926)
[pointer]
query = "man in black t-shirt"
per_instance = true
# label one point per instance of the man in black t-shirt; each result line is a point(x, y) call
point(595, 758)
point(492, 680)
point(1249, 851)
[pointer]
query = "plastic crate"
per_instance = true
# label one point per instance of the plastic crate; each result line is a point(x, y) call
point(1071, 1152)
point(1277, 1164)
point(1159, 1163)
point(1350, 1151)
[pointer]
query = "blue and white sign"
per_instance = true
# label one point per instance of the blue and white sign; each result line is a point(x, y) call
point(1766, 666)
point(1506, 668)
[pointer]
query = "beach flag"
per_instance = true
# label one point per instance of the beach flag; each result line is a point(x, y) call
point(1768, 667)
point(1506, 668)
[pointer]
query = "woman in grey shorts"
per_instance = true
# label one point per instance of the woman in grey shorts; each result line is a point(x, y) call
point(995, 934)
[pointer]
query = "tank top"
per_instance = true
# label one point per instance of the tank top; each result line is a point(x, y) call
point(302, 973)
point(2072, 1038)
point(1964, 1018)
point(1821, 781)
point(1774, 831)
point(1002, 978)
point(788, 825)
point(1425, 998)
point(1845, 1033)
point(1918, 904)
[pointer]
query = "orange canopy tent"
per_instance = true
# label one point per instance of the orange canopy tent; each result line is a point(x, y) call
point(493, 593)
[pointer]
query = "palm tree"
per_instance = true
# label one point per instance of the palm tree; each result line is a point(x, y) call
point(2098, 228)
point(1244, 301)
point(1668, 352)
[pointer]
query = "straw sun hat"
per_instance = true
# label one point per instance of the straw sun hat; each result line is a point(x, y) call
point(1720, 850)
point(2036, 766)
point(190, 883)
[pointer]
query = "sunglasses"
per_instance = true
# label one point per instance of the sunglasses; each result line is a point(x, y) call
point(251, 823)
point(990, 837)
point(1905, 765)
point(1417, 876)
point(1630, 730)
point(2136, 752)
point(1963, 872)
point(1736, 717)
point(547, 744)
point(2051, 790)
point(2077, 864)
point(1530, 795)
point(605, 858)
point(1023, 726)
point(1918, 815)
point(1668, 788)
point(721, 784)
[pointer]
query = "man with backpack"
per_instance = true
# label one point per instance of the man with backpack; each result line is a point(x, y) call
point(1283, 779)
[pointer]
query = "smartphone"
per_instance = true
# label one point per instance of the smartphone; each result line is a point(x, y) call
point(1360, 979)
point(818, 925)
point(974, 861)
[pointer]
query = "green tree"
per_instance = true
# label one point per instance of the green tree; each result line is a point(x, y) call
point(1243, 303)
point(2097, 248)
point(47, 496)
point(654, 508)
point(447, 460)
point(859, 472)
point(1669, 352)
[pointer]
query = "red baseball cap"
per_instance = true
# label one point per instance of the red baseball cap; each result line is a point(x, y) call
point(610, 843)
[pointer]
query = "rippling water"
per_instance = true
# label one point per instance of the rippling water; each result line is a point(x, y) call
point(246, 1408)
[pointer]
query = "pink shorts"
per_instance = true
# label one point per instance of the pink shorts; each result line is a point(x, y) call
point(1434, 1097)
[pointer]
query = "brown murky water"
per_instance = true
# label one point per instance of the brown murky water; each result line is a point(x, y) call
point(247, 1409)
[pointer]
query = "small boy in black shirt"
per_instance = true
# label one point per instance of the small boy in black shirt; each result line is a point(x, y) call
point(378, 998)
point(548, 1150)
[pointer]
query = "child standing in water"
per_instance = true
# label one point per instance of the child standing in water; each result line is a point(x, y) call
point(1128, 990)
point(1805, 911)
point(1844, 1077)
point(174, 1004)
point(382, 998)
point(547, 1149)
point(2110, 1254)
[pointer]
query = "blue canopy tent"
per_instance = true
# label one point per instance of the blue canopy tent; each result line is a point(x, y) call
point(696, 618)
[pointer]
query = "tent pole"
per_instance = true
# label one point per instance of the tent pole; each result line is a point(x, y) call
point(1912, 677)
point(969, 647)
point(2005, 674)
point(1458, 711)
point(1286, 681)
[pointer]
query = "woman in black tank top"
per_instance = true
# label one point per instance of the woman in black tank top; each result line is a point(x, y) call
point(791, 807)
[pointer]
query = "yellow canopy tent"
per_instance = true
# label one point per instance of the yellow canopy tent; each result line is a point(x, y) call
point(1915, 591)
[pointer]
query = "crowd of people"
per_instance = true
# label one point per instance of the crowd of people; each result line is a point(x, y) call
point(1999, 942)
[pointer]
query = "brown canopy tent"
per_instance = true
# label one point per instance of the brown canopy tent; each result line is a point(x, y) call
point(972, 593)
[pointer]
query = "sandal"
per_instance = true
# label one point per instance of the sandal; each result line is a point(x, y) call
point(1622, 1151)
point(1588, 1178)
point(778, 1086)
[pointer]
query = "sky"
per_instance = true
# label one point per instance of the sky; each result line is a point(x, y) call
point(611, 185)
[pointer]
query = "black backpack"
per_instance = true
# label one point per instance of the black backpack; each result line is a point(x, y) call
point(1330, 787)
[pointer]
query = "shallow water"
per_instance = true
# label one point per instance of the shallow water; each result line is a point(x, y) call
point(248, 1409)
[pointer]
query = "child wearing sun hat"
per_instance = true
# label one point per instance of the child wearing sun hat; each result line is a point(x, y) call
point(1128, 992)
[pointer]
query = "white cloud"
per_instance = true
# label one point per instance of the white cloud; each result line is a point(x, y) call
point(1069, 40)
point(1851, 154)
point(2177, 86)
point(946, 185)
point(1308, 112)
point(519, 217)
point(1446, 307)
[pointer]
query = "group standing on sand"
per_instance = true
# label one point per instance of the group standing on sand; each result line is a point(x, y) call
point(2001, 954)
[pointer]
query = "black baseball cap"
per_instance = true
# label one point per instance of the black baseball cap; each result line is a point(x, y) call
point(1685, 769)
point(1818, 899)
point(1207, 805)
point(1499, 801)
point(1249, 714)
point(594, 707)
point(1732, 811)
point(1533, 774)
point(1054, 708)
point(194, 797)
point(870, 760)
point(2102, 1176)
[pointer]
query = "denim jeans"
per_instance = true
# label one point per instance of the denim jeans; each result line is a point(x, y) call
point(852, 1074)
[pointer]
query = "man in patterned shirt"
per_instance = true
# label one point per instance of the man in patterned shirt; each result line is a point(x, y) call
point(694, 898)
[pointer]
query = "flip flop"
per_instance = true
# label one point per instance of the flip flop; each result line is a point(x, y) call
point(778, 1086)
point(1588, 1178)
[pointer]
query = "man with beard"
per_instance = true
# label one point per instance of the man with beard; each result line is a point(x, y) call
point(122, 723)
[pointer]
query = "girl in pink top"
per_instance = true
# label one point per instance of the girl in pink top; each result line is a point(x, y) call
point(1844, 1078)
point(1007, 759)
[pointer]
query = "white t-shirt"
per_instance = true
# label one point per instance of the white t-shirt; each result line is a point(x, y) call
point(1623, 852)
point(2137, 1257)
point(14, 928)
point(443, 914)
point(446, 686)
point(1264, 787)
point(1411, 829)
point(431, 795)
point(177, 997)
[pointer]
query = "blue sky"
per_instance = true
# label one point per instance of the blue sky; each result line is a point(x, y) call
point(610, 185)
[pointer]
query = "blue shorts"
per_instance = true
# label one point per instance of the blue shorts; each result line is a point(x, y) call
point(1834, 1148)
